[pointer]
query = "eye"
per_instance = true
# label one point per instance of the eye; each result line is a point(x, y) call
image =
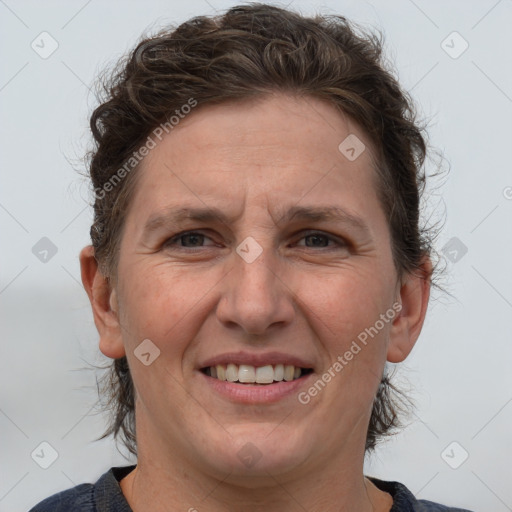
point(197, 240)
point(321, 240)
point(189, 239)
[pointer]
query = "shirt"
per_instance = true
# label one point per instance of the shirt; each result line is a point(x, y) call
point(106, 496)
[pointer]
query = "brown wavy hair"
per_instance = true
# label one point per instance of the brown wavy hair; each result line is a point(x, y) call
point(249, 51)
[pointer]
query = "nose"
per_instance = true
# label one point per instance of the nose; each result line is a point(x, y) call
point(256, 298)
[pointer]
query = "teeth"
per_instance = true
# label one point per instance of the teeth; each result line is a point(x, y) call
point(220, 371)
point(246, 373)
point(289, 372)
point(232, 372)
point(265, 374)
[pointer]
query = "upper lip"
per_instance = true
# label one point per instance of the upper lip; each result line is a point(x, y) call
point(261, 359)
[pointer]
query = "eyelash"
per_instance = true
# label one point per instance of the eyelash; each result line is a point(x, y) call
point(340, 242)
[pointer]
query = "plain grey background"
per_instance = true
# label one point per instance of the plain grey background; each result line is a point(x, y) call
point(459, 371)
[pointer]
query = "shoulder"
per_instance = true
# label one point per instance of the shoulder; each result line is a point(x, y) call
point(80, 498)
point(404, 500)
point(103, 496)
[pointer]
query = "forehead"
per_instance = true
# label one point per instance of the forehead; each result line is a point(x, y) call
point(273, 151)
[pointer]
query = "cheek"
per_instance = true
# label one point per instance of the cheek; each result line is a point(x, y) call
point(169, 305)
point(345, 310)
point(156, 303)
point(345, 302)
point(160, 304)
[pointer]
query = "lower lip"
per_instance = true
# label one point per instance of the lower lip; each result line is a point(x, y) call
point(257, 394)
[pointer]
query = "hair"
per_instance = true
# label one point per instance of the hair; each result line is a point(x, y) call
point(252, 51)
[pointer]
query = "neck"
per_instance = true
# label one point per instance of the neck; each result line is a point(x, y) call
point(161, 483)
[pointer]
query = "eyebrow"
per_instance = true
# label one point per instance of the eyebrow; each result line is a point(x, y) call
point(297, 213)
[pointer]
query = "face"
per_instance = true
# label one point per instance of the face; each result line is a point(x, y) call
point(253, 240)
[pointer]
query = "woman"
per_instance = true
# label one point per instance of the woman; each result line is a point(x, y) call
point(256, 259)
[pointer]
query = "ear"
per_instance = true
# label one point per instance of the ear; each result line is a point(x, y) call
point(413, 297)
point(104, 304)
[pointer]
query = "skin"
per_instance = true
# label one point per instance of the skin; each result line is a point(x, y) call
point(307, 296)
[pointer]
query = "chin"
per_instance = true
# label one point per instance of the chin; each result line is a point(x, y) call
point(253, 457)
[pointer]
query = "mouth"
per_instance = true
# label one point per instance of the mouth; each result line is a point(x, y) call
point(255, 375)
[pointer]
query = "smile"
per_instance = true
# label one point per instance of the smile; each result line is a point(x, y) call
point(247, 374)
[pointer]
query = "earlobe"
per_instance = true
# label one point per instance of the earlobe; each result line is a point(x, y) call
point(104, 304)
point(413, 297)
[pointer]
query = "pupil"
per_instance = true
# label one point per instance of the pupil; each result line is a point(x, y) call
point(316, 238)
point(194, 238)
